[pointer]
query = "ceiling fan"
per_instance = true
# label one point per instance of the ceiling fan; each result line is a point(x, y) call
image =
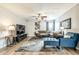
point(40, 17)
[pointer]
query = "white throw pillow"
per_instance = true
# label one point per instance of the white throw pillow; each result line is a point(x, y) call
point(66, 36)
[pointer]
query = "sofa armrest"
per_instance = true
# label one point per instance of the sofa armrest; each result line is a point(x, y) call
point(67, 42)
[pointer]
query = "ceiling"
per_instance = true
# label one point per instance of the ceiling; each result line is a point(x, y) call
point(51, 10)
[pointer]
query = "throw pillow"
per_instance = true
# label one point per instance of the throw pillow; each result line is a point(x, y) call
point(67, 36)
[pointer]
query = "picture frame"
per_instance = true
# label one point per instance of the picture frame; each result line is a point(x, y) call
point(66, 23)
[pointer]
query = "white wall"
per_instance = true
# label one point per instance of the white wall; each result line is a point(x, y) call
point(73, 13)
point(7, 17)
point(30, 27)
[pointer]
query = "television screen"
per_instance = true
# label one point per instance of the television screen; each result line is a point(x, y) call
point(20, 29)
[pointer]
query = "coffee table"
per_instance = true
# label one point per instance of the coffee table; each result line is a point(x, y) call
point(53, 42)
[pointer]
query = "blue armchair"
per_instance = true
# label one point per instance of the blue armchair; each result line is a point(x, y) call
point(70, 42)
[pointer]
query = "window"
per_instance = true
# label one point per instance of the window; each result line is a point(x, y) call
point(51, 26)
point(47, 26)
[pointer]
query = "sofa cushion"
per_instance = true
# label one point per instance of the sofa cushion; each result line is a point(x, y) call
point(67, 36)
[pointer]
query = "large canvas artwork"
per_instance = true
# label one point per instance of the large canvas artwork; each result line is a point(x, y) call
point(66, 23)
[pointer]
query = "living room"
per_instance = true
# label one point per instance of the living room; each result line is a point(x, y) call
point(26, 30)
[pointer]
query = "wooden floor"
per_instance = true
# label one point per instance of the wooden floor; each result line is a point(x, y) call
point(11, 51)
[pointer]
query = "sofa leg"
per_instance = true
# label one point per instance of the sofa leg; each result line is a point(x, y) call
point(75, 49)
point(58, 47)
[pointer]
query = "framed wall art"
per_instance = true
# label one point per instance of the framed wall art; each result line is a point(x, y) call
point(66, 23)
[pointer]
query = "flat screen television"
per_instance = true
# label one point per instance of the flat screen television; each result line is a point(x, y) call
point(20, 29)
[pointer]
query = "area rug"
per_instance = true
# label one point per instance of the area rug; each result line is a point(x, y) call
point(35, 45)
